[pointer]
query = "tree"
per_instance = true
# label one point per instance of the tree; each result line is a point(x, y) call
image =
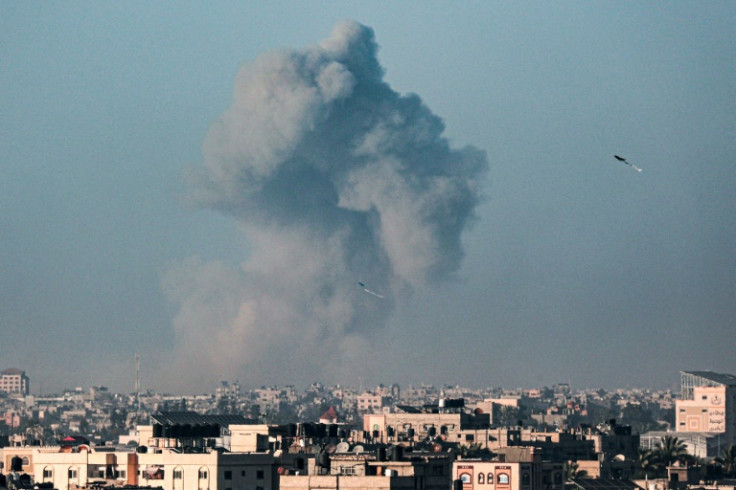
point(572, 471)
point(671, 449)
point(646, 461)
point(474, 450)
point(506, 415)
point(639, 418)
point(727, 460)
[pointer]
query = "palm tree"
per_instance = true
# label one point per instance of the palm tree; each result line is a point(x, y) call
point(671, 449)
point(646, 461)
point(727, 460)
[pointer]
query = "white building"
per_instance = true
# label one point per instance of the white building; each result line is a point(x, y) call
point(170, 470)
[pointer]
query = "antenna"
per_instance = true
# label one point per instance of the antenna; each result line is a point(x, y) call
point(137, 386)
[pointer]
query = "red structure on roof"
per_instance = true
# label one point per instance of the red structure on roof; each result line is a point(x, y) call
point(329, 417)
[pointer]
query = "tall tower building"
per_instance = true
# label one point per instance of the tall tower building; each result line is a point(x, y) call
point(707, 404)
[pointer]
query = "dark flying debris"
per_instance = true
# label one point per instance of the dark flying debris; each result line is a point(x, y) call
point(369, 291)
point(622, 159)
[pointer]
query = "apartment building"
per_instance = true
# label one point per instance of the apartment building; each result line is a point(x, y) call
point(369, 402)
point(519, 469)
point(383, 469)
point(14, 382)
point(707, 404)
point(446, 421)
point(170, 470)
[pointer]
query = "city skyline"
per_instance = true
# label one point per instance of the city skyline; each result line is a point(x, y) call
point(463, 218)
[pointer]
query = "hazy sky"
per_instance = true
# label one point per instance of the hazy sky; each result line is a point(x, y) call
point(206, 183)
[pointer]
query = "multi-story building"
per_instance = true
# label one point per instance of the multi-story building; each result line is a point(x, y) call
point(383, 469)
point(14, 382)
point(446, 421)
point(212, 470)
point(369, 402)
point(520, 471)
point(707, 404)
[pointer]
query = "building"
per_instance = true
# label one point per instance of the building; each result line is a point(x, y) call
point(383, 469)
point(522, 469)
point(181, 450)
point(369, 402)
point(698, 444)
point(446, 421)
point(707, 404)
point(169, 470)
point(14, 382)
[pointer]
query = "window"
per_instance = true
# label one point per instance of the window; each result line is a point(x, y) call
point(469, 437)
point(465, 478)
point(419, 482)
point(259, 475)
point(177, 474)
point(503, 479)
point(202, 474)
point(481, 479)
point(490, 478)
point(72, 473)
point(242, 473)
point(48, 473)
point(228, 475)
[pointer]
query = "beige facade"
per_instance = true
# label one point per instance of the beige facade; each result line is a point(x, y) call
point(707, 404)
point(462, 428)
point(368, 402)
point(335, 482)
point(366, 471)
point(14, 382)
point(171, 471)
point(510, 471)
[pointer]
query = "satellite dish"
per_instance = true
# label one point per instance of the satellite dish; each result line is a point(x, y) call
point(342, 447)
point(358, 449)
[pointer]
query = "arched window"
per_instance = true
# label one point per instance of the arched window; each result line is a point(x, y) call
point(204, 478)
point(490, 478)
point(503, 479)
point(465, 478)
point(73, 476)
point(48, 473)
point(481, 479)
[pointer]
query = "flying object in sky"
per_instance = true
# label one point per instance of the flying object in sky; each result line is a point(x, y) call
point(622, 159)
point(369, 291)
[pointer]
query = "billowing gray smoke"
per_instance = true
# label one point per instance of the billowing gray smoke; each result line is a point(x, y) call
point(335, 179)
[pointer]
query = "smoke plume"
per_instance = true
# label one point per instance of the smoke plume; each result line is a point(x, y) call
point(335, 178)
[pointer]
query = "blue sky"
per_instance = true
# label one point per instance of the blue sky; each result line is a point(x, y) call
point(577, 268)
